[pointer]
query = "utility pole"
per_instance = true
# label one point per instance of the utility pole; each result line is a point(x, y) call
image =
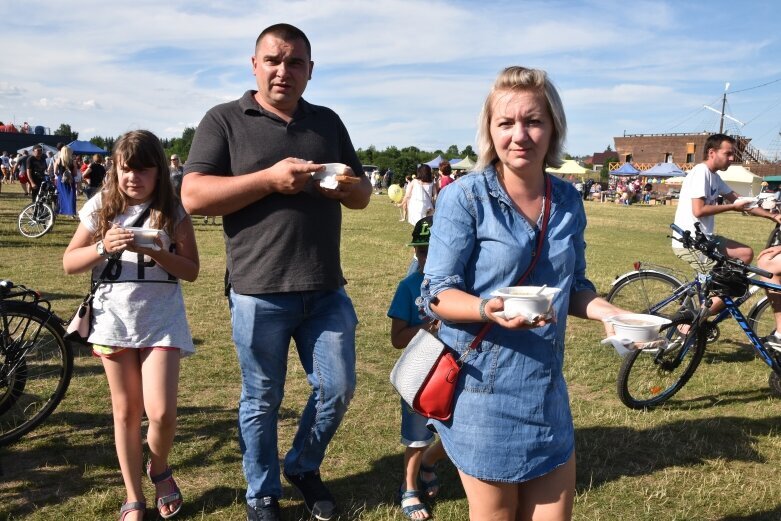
point(723, 106)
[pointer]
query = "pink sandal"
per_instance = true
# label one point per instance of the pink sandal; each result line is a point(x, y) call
point(161, 501)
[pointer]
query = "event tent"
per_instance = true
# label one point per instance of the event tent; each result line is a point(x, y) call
point(626, 170)
point(569, 167)
point(742, 180)
point(46, 148)
point(664, 170)
point(677, 180)
point(85, 147)
point(464, 164)
point(434, 163)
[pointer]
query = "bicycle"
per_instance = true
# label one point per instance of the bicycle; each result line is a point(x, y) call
point(37, 218)
point(649, 377)
point(36, 362)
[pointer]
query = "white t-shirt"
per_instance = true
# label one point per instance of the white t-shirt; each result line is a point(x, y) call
point(142, 304)
point(700, 183)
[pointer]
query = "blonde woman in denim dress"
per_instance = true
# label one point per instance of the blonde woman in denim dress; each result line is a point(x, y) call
point(511, 435)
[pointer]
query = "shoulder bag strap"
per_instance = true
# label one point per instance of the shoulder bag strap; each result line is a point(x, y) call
point(535, 256)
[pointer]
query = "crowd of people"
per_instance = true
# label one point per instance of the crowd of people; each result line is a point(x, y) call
point(511, 435)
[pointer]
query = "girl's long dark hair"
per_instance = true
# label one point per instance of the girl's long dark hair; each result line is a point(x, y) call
point(139, 149)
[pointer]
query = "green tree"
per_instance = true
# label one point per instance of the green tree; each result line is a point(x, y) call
point(65, 131)
point(181, 146)
point(452, 151)
point(467, 151)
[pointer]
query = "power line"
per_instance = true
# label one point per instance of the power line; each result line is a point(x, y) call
point(756, 87)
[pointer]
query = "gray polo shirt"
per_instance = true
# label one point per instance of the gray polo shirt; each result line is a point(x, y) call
point(281, 243)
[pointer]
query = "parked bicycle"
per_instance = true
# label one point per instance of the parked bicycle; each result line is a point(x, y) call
point(36, 362)
point(649, 377)
point(38, 217)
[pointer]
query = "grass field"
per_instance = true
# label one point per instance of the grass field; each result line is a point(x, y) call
point(711, 453)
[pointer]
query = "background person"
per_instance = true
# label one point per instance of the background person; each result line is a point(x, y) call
point(35, 168)
point(445, 170)
point(511, 435)
point(419, 197)
point(139, 327)
point(65, 172)
point(252, 161)
point(422, 448)
point(94, 175)
point(177, 172)
point(697, 203)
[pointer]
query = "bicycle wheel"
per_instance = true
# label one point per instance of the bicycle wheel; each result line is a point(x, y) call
point(35, 220)
point(37, 365)
point(650, 377)
point(644, 291)
point(774, 239)
point(761, 318)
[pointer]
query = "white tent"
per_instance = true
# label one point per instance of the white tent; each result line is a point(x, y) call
point(742, 180)
point(44, 146)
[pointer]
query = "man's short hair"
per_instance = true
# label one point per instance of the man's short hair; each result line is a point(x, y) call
point(714, 142)
point(37, 147)
point(174, 156)
point(285, 32)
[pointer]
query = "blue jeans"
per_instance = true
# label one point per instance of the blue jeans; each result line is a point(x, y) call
point(322, 323)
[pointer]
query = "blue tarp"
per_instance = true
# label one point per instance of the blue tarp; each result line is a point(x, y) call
point(626, 170)
point(664, 170)
point(85, 147)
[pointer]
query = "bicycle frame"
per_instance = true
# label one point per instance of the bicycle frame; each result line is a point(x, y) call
point(732, 308)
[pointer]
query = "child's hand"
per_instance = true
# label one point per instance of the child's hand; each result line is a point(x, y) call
point(117, 240)
point(432, 326)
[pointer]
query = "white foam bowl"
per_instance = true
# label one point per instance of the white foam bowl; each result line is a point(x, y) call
point(526, 301)
point(143, 236)
point(637, 327)
point(753, 202)
point(327, 177)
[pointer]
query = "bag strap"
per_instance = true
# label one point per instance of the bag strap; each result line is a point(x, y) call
point(535, 256)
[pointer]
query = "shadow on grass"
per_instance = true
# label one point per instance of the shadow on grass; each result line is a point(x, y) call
point(768, 515)
point(606, 454)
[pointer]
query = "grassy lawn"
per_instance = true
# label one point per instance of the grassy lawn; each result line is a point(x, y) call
point(711, 453)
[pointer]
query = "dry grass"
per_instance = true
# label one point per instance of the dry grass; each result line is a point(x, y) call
point(710, 454)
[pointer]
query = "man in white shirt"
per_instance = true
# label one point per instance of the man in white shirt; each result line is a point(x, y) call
point(698, 203)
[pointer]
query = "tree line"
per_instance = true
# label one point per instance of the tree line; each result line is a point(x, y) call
point(402, 161)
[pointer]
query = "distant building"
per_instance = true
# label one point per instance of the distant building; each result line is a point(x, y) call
point(685, 150)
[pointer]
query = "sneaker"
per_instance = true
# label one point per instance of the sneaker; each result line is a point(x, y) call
point(773, 342)
point(317, 498)
point(267, 509)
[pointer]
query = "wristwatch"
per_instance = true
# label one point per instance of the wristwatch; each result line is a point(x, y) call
point(101, 249)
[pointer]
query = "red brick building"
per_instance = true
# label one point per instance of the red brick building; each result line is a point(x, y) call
point(685, 150)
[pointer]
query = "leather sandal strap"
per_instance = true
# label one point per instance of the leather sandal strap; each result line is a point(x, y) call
point(131, 507)
point(167, 473)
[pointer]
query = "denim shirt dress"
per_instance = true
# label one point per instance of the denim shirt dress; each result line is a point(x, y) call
point(511, 420)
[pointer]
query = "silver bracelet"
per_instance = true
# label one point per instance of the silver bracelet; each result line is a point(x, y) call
point(483, 316)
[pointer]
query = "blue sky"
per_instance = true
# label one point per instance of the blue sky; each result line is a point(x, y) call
point(399, 72)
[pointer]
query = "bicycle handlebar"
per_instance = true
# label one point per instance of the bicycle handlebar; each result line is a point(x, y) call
point(710, 249)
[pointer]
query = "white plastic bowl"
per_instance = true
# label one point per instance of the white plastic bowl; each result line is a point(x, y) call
point(526, 301)
point(637, 327)
point(144, 237)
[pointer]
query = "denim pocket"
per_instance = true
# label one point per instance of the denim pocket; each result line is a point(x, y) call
point(479, 369)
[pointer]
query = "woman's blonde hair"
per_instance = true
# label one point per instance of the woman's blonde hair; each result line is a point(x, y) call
point(139, 149)
point(521, 79)
point(66, 157)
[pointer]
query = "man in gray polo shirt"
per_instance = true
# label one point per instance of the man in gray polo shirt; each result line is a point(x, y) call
point(252, 162)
